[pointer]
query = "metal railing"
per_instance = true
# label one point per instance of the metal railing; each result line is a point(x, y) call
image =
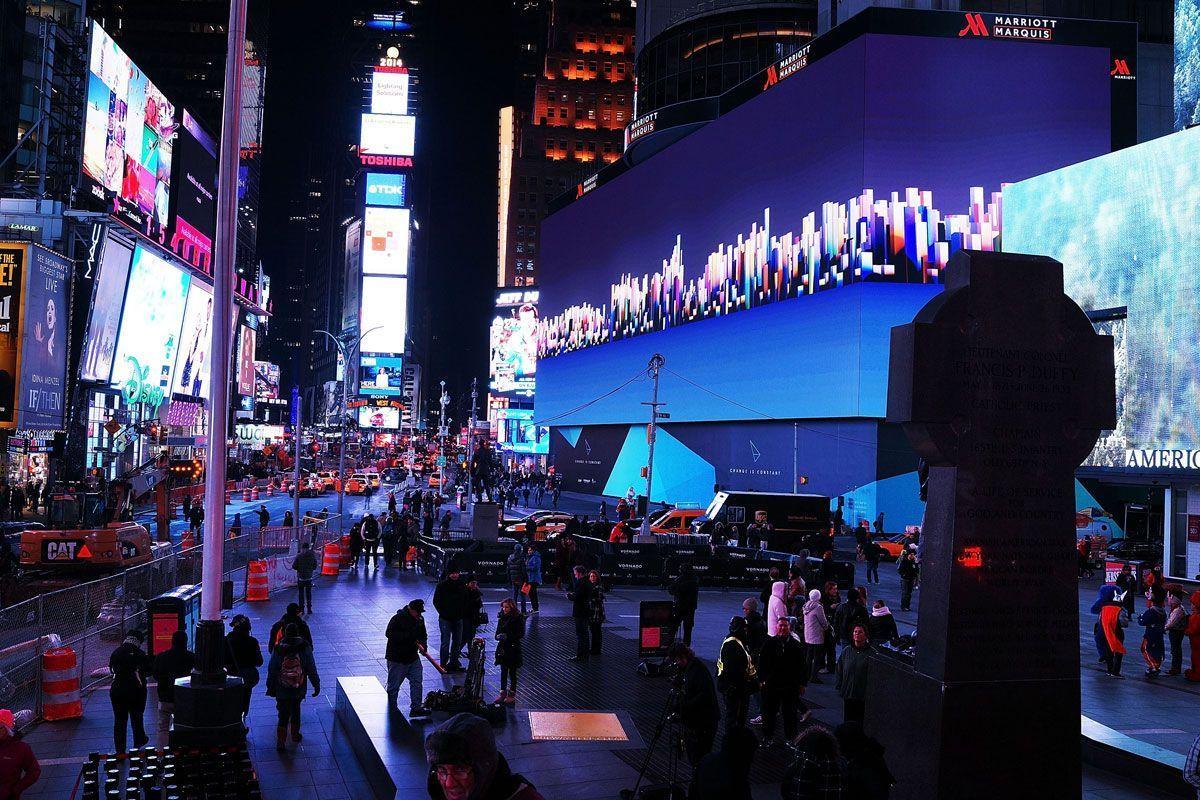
point(94, 617)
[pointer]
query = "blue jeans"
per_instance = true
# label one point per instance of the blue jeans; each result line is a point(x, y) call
point(451, 632)
point(396, 674)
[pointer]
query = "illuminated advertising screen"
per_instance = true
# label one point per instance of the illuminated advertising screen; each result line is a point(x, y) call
point(383, 316)
point(381, 375)
point(379, 418)
point(40, 400)
point(386, 189)
point(127, 141)
point(245, 361)
point(389, 90)
point(352, 253)
point(1123, 227)
point(519, 434)
point(194, 222)
point(513, 343)
point(387, 135)
point(1187, 63)
point(266, 380)
point(12, 270)
point(775, 245)
point(195, 343)
point(148, 342)
point(385, 241)
point(107, 300)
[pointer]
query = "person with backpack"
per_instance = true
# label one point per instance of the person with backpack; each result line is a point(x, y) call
point(370, 535)
point(291, 669)
point(130, 667)
point(243, 657)
point(176, 662)
point(290, 617)
point(305, 564)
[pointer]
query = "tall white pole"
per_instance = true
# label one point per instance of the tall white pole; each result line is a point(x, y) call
point(208, 646)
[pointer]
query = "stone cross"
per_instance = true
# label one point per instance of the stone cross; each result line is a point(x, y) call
point(1002, 385)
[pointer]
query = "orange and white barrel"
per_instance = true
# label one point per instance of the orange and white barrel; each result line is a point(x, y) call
point(331, 563)
point(254, 493)
point(246, 495)
point(257, 587)
point(60, 685)
point(345, 548)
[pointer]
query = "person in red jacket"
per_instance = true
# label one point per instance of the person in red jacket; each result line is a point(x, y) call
point(19, 768)
point(1192, 631)
point(620, 533)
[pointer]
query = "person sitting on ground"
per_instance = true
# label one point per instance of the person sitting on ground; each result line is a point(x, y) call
point(19, 768)
point(464, 764)
point(725, 774)
point(882, 625)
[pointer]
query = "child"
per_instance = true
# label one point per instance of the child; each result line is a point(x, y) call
point(410, 557)
point(1154, 621)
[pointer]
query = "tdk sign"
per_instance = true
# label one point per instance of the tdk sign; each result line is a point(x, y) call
point(385, 189)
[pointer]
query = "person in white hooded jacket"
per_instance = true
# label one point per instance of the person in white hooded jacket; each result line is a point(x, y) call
point(815, 626)
point(776, 606)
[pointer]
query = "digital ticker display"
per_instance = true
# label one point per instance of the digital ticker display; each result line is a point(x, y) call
point(735, 251)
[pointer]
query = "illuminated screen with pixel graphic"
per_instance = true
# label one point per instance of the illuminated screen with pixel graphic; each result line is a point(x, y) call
point(733, 251)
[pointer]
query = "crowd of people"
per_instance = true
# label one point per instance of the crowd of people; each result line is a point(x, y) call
point(1164, 618)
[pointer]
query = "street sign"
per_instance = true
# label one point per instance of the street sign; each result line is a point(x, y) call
point(664, 415)
point(112, 426)
point(441, 461)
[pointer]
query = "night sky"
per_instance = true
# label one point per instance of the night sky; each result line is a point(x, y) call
point(466, 77)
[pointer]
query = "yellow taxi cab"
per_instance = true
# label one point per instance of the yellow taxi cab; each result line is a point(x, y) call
point(358, 484)
point(329, 481)
point(677, 520)
point(434, 481)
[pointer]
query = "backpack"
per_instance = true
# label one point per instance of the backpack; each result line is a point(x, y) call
point(291, 672)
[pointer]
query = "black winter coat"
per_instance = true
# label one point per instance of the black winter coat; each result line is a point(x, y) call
point(698, 707)
point(782, 666)
point(451, 599)
point(510, 630)
point(404, 631)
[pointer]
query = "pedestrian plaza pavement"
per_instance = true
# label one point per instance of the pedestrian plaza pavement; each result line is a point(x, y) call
point(348, 625)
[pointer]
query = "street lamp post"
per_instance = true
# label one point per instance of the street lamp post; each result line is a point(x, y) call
point(345, 351)
point(444, 401)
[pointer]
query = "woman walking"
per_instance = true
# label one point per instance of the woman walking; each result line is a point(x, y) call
point(291, 668)
point(510, 629)
point(596, 616)
point(243, 657)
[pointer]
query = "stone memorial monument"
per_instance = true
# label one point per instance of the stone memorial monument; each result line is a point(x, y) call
point(1002, 386)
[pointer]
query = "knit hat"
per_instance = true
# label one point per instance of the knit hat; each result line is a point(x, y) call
point(465, 739)
point(417, 605)
point(815, 594)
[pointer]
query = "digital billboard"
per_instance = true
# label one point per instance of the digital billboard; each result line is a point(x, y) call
point(127, 141)
point(775, 246)
point(1124, 227)
point(513, 342)
point(266, 380)
point(195, 343)
point(383, 316)
point(383, 418)
point(245, 371)
point(108, 296)
point(43, 364)
point(387, 135)
point(12, 271)
point(385, 241)
point(389, 90)
point(386, 189)
point(352, 264)
point(1187, 63)
point(381, 375)
point(194, 221)
point(148, 342)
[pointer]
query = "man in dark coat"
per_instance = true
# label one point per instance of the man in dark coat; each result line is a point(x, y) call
point(581, 610)
point(685, 591)
point(452, 601)
point(406, 640)
point(784, 673)
point(698, 707)
point(290, 616)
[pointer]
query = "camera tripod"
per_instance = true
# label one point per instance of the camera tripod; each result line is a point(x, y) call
point(667, 721)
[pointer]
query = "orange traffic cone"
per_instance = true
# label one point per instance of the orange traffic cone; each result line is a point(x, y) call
point(256, 581)
point(332, 560)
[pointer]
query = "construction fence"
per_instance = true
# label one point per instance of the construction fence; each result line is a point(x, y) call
point(93, 618)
